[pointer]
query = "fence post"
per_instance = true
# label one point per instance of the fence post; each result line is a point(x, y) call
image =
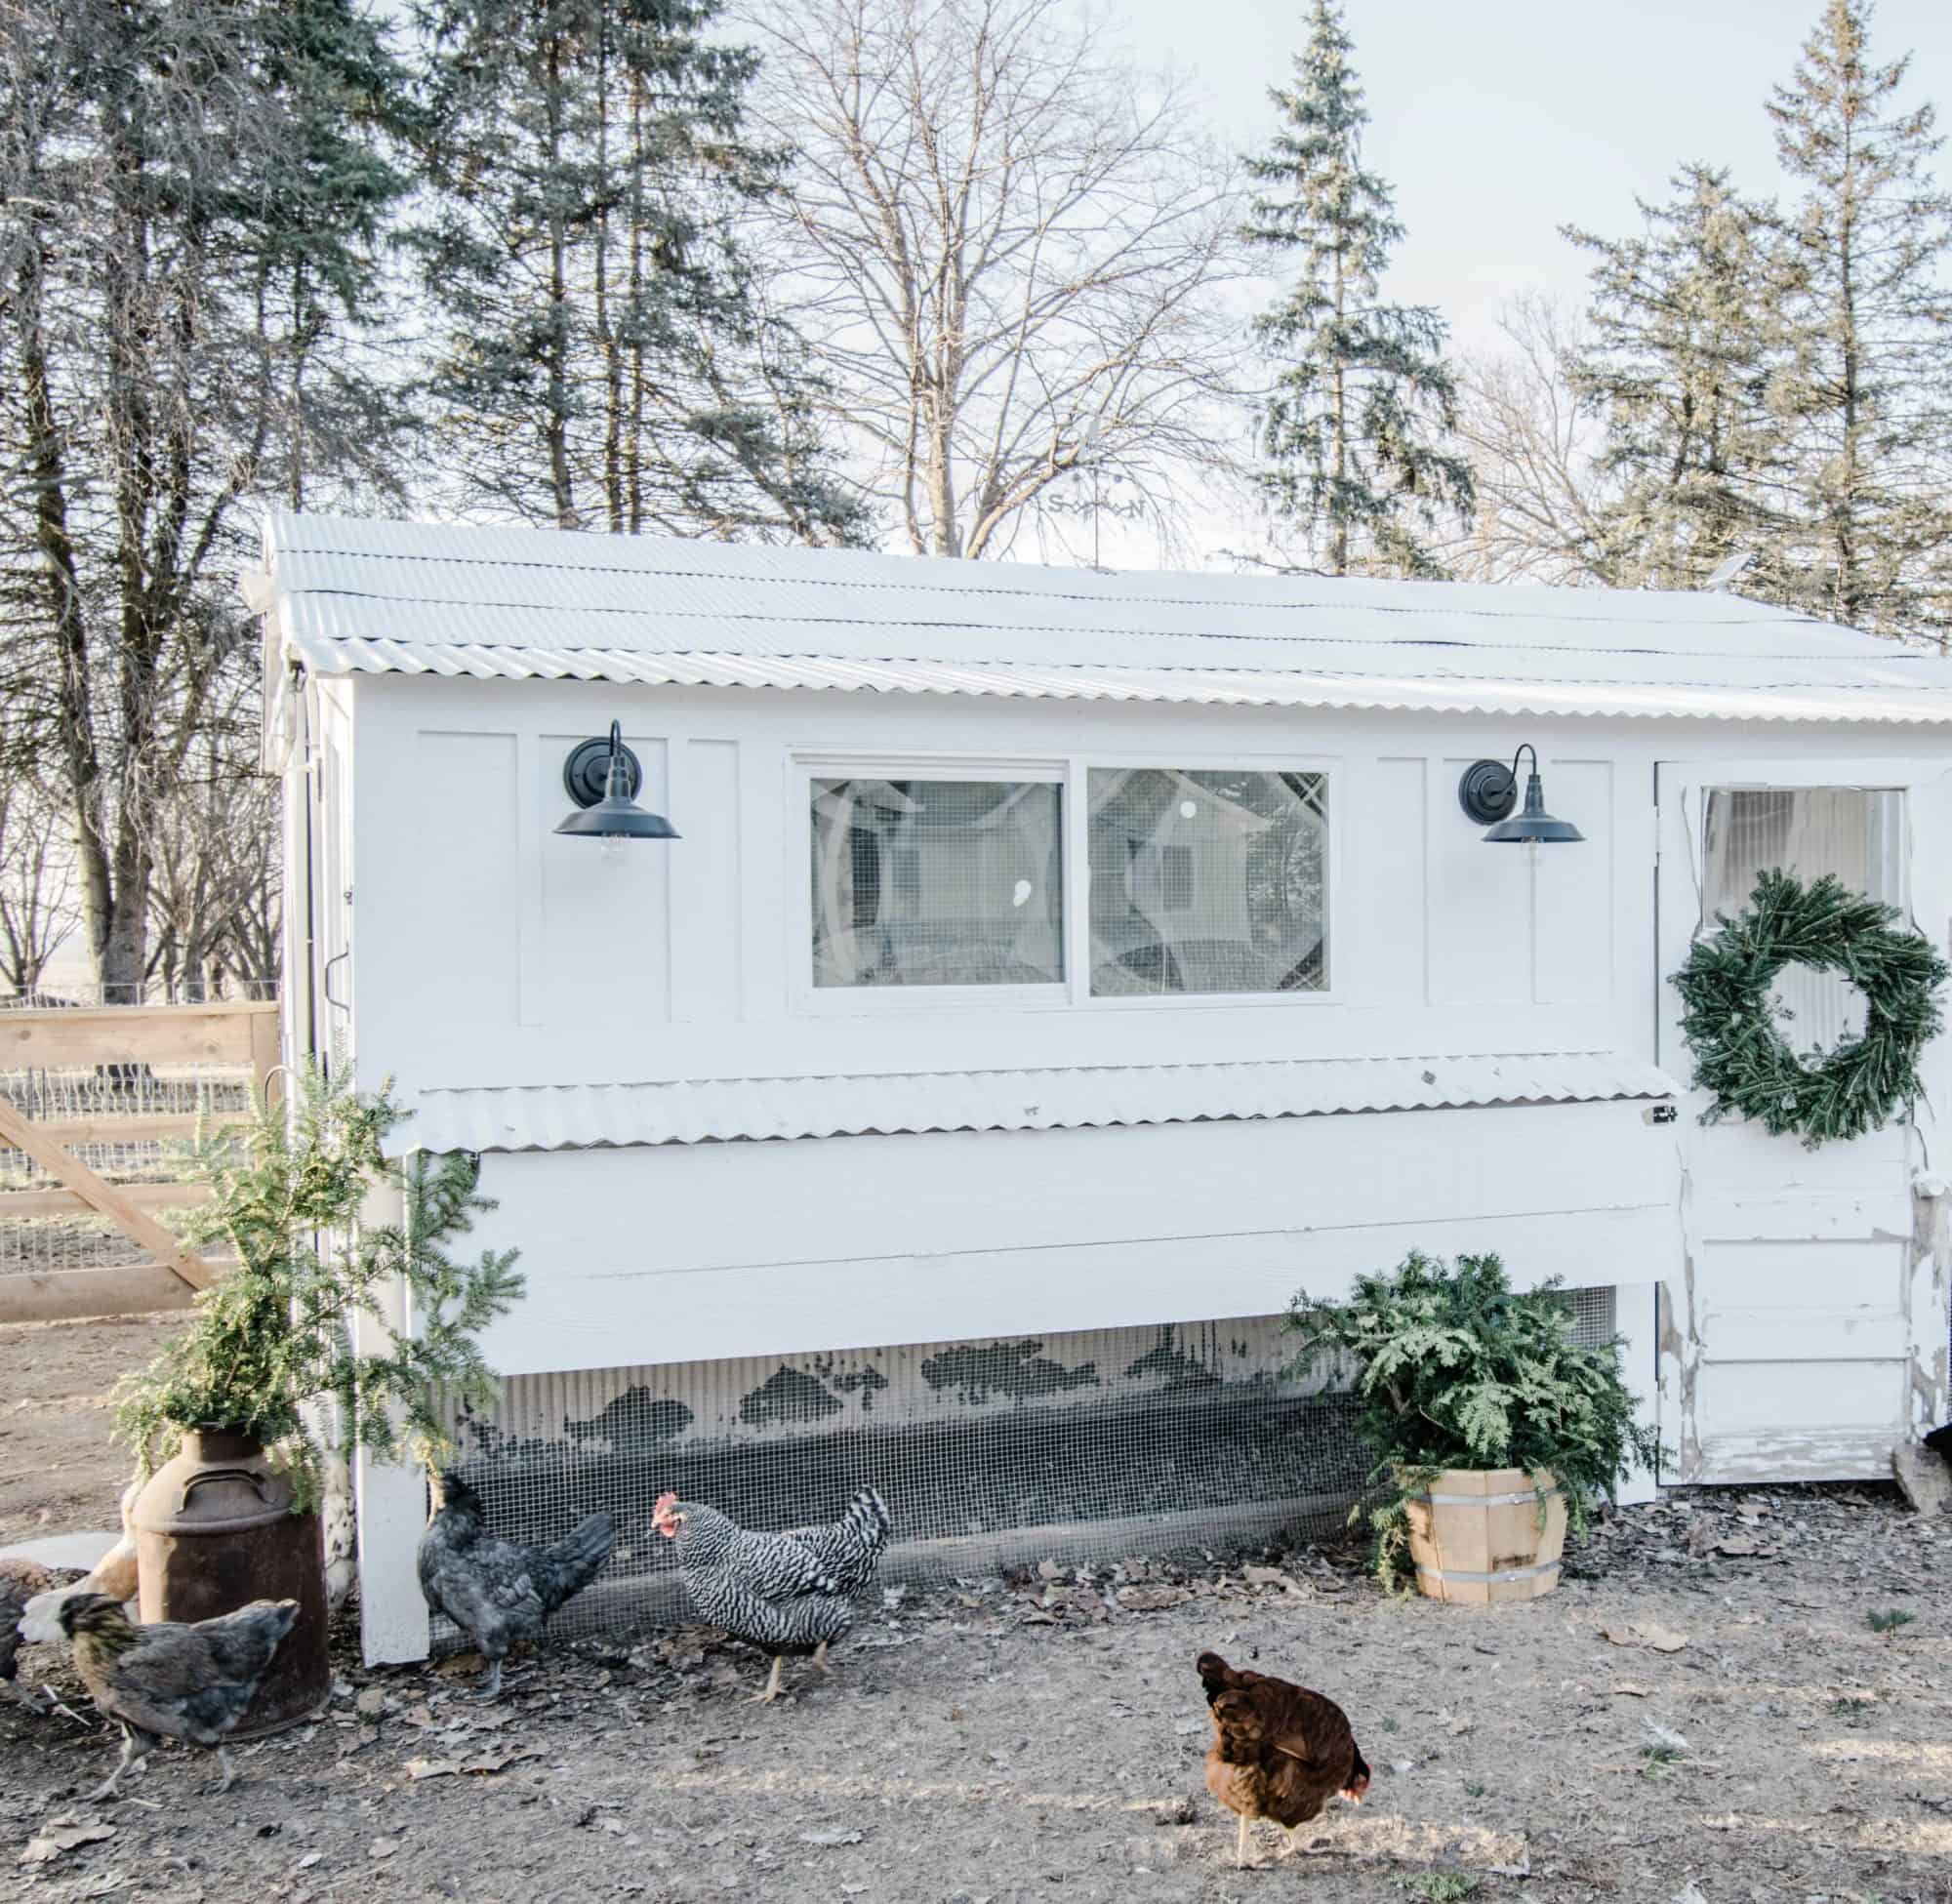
point(265, 1057)
point(390, 1496)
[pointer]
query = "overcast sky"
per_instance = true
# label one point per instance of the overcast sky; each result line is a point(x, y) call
point(1499, 122)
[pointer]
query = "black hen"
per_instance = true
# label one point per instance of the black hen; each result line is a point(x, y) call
point(495, 1592)
point(171, 1681)
point(20, 1582)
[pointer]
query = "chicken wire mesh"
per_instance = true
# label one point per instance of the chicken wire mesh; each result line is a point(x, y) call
point(104, 1095)
point(1089, 1447)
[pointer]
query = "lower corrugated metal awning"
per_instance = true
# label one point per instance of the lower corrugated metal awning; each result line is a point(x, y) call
point(582, 1117)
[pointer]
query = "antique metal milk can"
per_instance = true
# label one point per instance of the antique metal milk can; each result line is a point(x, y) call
point(215, 1530)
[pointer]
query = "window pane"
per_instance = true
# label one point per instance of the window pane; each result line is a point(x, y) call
point(936, 882)
point(1854, 833)
point(1209, 882)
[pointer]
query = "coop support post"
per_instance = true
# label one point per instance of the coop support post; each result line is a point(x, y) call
point(392, 1495)
point(1637, 1322)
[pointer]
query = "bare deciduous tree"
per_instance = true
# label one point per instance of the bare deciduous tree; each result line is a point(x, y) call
point(37, 900)
point(1010, 246)
point(1540, 500)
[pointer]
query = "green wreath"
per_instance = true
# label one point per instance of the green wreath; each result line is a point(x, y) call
point(1743, 1058)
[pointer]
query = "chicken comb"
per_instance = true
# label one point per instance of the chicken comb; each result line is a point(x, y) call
point(665, 1503)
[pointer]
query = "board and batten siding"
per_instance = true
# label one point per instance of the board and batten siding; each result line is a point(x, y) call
point(489, 951)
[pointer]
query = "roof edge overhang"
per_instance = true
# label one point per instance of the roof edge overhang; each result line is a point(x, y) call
point(615, 1116)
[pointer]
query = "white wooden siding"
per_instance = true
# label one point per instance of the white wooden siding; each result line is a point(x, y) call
point(686, 1252)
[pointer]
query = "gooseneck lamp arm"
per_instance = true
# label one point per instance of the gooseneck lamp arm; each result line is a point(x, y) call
point(1488, 792)
point(607, 809)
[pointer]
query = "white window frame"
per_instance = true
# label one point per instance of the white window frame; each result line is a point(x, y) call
point(1206, 760)
point(1070, 774)
point(892, 763)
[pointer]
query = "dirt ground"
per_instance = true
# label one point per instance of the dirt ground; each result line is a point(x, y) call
point(58, 1473)
point(1745, 1734)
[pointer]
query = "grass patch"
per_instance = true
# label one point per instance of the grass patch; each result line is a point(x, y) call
point(1441, 1886)
point(1851, 1705)
point(1656, 1759)
point(1887, 1619)
point(1472, 1791)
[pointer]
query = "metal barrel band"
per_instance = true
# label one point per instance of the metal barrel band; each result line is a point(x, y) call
point(1485, 1500)
point(1532, 1572)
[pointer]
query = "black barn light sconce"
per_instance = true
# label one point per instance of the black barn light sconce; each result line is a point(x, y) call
point(604, 779)
point(1489, 791)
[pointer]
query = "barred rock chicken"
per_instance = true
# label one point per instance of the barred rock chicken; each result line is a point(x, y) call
point(785, 1593)
point(495, 1592)
point(170, 1681)
point(1278, 1751)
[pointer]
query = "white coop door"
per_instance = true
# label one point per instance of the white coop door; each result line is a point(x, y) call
point(1791, 1344)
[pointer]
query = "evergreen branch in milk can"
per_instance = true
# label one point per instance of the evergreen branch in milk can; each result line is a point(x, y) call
point(271, 1338)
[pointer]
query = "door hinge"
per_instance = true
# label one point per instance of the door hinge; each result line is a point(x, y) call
point(1662, 1114)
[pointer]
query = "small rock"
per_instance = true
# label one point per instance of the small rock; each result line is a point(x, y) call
point(371, 1702)
point(383, 1847)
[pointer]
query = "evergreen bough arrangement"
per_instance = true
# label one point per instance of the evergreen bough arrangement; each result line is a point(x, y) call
point(1457, 1369)
point(270, 1338)
point(1741, 1055)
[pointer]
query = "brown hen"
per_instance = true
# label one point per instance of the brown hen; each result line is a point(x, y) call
point(1278, 1751)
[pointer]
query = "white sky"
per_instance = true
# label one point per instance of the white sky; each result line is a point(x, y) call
point(1499, 122)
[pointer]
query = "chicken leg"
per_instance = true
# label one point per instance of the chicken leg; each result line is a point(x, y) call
point(820, 1661)
point(491, 1682)
point(229, 1770)
point(772, 1690)
point(130, 1752)
point(1241, 1843)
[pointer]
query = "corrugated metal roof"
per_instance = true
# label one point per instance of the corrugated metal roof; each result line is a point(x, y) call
point(394, 597)
point(580, 1116)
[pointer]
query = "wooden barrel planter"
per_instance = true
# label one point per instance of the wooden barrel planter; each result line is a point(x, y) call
point(1477, 1536)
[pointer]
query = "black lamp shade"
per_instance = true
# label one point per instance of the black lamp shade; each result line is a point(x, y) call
point(618, 818)
point(1534, 826)
point(611, 813)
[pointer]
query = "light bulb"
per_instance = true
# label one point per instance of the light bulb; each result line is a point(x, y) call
point(610, 849)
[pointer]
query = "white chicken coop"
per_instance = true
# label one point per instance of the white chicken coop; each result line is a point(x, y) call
point(1051, 972)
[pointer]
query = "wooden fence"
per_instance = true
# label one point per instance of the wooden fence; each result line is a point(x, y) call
point(118, 1039)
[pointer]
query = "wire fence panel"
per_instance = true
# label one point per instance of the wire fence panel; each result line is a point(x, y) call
point(1096, 1448)
point(121, 1092)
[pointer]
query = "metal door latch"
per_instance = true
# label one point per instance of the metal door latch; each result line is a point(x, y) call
point(1662, 1114)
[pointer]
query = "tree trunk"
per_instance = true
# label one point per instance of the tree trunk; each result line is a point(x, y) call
point(555, 424)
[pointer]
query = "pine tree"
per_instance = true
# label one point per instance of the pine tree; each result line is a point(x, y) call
point(1867, 395)
point(1678, 362)
point(190, 196)
point(1352, 425)
point(604, 356)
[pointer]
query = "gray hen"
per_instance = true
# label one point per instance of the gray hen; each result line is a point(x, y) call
point(171, 1681)
point(20, 1582)
point(495, 1592)
point(787, 1594)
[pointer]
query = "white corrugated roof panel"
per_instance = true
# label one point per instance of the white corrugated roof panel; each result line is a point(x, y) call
point(580, 1117)
point(352, 597)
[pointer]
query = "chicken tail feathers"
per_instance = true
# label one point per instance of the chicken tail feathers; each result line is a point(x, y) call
point(867, 1520)
point(566, 1568)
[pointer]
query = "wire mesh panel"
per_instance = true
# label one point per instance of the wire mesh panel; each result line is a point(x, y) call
point(936, 882)
point(1092, 1445)
point(1593, 1314)
point(1209, 882)
point(103, 1096)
